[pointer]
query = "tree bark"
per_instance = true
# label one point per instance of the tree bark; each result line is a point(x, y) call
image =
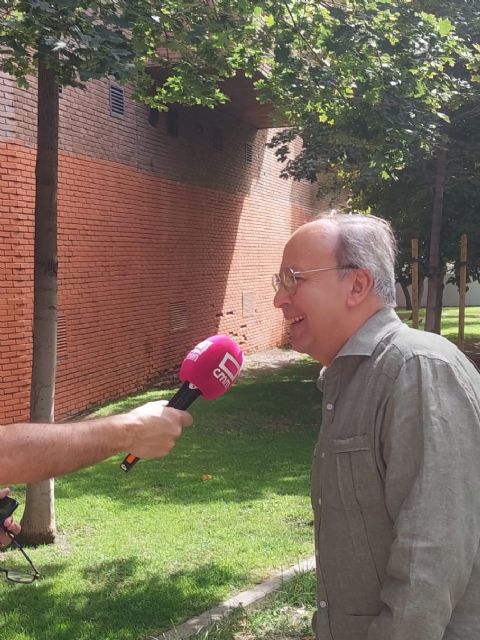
point(435, 272)
point(38, 522)
point(406, 293)
point(421, 286)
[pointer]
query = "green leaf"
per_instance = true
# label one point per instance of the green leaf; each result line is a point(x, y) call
point(257, 11)
point(445, 26)
point(269, 20)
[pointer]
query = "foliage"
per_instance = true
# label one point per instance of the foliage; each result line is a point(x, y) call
point(367, 85)
point(375, 89)
point(196, 43)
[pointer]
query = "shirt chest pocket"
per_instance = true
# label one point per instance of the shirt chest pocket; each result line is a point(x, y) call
point(351, 479)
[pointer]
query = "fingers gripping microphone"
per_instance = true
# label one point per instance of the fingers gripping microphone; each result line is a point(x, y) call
point(209, 370)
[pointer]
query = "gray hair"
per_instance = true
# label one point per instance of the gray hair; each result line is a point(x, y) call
point(367, 242)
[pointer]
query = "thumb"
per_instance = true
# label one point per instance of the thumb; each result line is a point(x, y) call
point(185, 417)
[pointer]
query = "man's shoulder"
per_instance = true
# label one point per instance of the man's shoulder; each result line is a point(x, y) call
point(404, 344)
point(410, 342)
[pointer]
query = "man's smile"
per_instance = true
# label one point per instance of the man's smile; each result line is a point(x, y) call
point(295, 320)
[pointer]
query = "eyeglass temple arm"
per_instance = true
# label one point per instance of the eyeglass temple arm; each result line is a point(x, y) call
point(19, 546)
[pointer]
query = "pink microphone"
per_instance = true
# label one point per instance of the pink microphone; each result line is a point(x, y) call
point(209, 370)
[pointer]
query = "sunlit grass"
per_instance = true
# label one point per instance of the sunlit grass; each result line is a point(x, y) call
point(450, 324)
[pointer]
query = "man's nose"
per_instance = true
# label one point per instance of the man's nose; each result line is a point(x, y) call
point(281, 297)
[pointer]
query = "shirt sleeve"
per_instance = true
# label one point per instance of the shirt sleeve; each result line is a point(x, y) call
point(430, 437)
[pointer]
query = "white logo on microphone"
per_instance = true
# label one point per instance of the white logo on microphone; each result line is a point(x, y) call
point(199, 349)
point(227, 370)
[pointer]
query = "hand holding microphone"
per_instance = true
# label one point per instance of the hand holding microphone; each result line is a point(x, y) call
point(208, 370)
point(154, 428)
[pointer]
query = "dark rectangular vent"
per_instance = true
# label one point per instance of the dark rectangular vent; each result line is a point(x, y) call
point(153, 117)
point(172, 122)
point(248, 152)
point(117, 101)
point(248, 304)
point(217, 139)
point(61, 335)
point(178, 316)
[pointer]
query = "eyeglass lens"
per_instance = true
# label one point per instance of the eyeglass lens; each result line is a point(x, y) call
point(286, 278)
point(20, 576)
point(23, 578)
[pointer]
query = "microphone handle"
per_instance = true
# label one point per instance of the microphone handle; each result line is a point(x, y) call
point(184, 397)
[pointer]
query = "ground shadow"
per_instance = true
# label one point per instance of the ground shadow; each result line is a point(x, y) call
point(115, 601)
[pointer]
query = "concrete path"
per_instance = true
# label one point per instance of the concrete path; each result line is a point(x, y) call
point(244, 599)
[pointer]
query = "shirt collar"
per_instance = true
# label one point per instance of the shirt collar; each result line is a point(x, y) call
point(365, 340)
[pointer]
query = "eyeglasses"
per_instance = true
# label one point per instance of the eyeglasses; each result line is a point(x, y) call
point(287, 278)
point(20, 576)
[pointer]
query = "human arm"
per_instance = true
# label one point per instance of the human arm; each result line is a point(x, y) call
point(431, 447)
point(32, 452)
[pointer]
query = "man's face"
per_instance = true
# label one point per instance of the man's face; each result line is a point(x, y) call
point(316, 310)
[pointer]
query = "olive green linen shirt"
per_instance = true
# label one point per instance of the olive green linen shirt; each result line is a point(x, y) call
point(396, 489)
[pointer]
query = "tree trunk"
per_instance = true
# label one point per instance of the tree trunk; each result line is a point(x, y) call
point(406, 293)
point(435, 272)
point(421, 283)
point(38, 522)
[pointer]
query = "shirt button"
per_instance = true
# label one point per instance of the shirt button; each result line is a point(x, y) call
point(322, 455)
point(319, 501)
point(329, 406)
point(322, 604)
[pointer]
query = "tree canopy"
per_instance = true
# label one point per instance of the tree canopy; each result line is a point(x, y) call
point(385, 96)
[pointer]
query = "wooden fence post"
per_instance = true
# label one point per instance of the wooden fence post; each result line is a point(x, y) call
point(462, 292)
point(415, 301)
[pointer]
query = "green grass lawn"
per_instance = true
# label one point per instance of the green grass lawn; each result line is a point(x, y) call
point(142, 551)
point(450, 324)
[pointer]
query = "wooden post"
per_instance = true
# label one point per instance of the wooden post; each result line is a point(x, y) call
point(462, 292)
point(415, 300)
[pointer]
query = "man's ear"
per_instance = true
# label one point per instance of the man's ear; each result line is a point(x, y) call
point(361, 285)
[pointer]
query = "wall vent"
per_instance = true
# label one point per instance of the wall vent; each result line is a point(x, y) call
point(117, 101)
point(248, 152)
point(178, 316)
point(61, 336)
point(153, 117)
point(248, 304)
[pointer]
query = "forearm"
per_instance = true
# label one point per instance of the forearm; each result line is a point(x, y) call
point(33, 452)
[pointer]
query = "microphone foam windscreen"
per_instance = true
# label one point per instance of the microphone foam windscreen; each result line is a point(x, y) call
point(213, 366)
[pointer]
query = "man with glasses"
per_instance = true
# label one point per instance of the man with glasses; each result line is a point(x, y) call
point(396, 475)
point(33, 452)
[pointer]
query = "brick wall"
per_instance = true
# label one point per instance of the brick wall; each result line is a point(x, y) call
point(163, 240)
